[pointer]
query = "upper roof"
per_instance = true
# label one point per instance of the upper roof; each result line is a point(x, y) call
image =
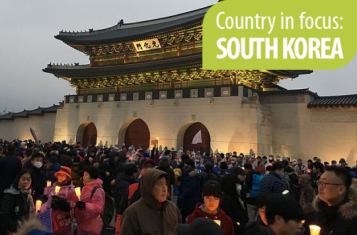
point(334, 101)
point(132, 30)
point(27, 113)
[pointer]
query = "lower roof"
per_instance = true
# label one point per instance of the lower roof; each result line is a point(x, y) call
point(27, 113)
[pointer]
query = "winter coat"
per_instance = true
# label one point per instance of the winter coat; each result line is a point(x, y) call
point(165, 166)
point(16, 207)
point(89, 219)
point(122, 183)
point(226, 222)
point(38, 184)
point(189, 192)
point(10, 166)
point(114, 168)
point(249, 185)
point(206, 176)
point(235, 210)
point(69, 195)
point(50, 174)
point(255, 227)
point(148, 216)
point(339, 219)
point(272, 183)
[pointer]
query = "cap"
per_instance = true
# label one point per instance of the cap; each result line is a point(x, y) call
point(64, 170)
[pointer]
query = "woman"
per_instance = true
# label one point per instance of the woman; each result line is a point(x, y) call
point(231, 204)
point(210, 209)
point(61, 204)
point(17, 204)
point(91, 204)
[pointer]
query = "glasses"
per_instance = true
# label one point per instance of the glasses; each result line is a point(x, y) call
point(323, 184)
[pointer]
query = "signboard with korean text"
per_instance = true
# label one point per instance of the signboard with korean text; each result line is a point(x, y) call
point(147, 45)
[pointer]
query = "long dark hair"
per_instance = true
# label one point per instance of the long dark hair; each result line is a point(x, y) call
point(15, 184)
point(228, 184)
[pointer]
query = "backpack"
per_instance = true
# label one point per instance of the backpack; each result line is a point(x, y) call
point(109, 206)
point(257, 185)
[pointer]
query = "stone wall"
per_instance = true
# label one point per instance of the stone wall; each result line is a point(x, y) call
point(20, 127)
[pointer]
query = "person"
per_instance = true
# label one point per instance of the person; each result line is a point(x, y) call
point(306, 199)
point(10, 166)
point(164, 165)
point(223, 167)
point(211, 194)
point(260, 223)
point(61, 204)
point(251, 197)
point(38, 174)
point(299, 168)
point(123, 181)
point(232, 205)
point(153, 213)
point(17, 204)
point(284, 215)
point(317, 169)
point(52, 167)
point(91, 204)
point(208, 174)
point(336, 202)
point(272, 183)
point(189, 189)
point(200, 226)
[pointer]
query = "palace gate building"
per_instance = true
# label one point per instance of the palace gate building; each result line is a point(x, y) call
point(145, 83)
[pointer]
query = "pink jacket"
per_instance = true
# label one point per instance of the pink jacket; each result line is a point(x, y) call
point(89, 220)
point(68, 193)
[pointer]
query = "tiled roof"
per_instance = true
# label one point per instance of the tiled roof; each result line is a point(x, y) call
point(289, 92)
point(334, 101)
point(27, 113)
point(132, 30)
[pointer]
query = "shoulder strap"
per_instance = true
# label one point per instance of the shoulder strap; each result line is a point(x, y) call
point(93, 191)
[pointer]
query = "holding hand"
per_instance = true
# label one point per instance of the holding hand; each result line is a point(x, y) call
point(81, 205)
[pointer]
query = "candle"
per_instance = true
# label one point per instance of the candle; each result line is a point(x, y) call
point(78, 192)
point(38, 205)
point(48, 183)
point(314, 230)
point(57, 189)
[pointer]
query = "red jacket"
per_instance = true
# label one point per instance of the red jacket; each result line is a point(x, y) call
point(225, 220)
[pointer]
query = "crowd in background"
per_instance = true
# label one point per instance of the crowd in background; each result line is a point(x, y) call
point(128, 190)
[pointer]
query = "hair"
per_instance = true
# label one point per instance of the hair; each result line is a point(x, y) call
point(288, 169)
point(343, 174)
point(92, 171)
point(212, 188)
point(167, 152)
point(285, 162)
point(11, 148)
point(208, 166)
point(262, 199)
point(130, 169)
point(269, 168)
point(333, 162)
point(278, 166)
point(36, 155)
point(15, 184)
point(184, 157)
point(248, 166)
point(309, 160)
point(319, 165)
point(228, 184)
point(223, 166)
point(284, 206)
point(190, 162)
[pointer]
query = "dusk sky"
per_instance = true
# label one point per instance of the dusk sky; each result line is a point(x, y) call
point(27, 45)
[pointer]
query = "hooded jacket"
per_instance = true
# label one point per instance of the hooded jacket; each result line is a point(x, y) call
point(148, 216)
point(10, 166)
point(225, 221)
point(89, 220)
point(15, 207)
point(339, 219)
point(122, 183)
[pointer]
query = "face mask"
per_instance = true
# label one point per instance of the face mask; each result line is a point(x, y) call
point(38, 164)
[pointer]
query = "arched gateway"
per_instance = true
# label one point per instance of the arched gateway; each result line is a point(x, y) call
point(137, 134)
point(87, 134)
point(191, 132)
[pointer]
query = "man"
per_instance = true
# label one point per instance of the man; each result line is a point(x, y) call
point(284, 216)
point(251, 200)
point(259, 165)
point(153, 213)
point(317, 169)
point(272, 183)
point(336, 202)
point(343, 163)
point(299, 168)
point(10, 166)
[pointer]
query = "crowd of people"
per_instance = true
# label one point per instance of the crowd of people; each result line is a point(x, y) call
point(168, 191)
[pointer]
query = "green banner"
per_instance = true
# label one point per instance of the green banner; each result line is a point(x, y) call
point(279, 35)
